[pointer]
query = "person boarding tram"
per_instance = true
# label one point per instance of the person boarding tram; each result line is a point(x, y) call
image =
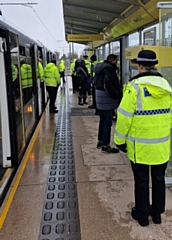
point(143, 131)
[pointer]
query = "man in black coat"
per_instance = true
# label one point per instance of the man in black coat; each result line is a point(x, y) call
point(107, 99)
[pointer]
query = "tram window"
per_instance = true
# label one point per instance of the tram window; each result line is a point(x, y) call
point(16, 86)
point(26, 79)
point(22, 50)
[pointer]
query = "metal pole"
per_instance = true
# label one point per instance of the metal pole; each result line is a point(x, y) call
point(72, 43)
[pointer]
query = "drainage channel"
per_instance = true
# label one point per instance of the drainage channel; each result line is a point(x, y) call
point(60, 218)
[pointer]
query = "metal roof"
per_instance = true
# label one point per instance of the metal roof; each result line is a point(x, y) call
point(92, 16)
point(99, 16)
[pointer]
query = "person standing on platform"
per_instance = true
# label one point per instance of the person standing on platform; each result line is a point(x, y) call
point(88, 66)
point(61, 68)
point(143, 131)
point(52, 81)
point(81, 76)
point(107, 99)
point(93, 63)
point(73, 75)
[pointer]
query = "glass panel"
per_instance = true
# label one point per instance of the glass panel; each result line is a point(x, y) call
point(1, 158)
point(150, 36)
point(106, 50)
point(14, 49)
point(29, 100)
point(168, 29)
point(133, 39)
point(115, 49)
point(100, 54)
point(40, 84)
point(165, 53)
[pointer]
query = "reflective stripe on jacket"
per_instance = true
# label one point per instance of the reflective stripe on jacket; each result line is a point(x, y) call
point(144, 120)
point(51, 75)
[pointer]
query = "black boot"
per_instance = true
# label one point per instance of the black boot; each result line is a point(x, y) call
point(84, 100)
point(80, 101)
point(143, 221)
point(53, 110)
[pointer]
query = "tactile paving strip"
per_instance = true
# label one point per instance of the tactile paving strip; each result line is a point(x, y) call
point(60, 219)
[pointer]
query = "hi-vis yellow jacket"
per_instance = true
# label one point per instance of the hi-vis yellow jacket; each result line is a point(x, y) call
point(40, 72)
point(144, 120)
point(72, 67)
point(61, 66)
point(51, 75)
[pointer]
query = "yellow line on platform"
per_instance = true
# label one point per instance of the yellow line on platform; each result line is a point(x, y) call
point(20, 173)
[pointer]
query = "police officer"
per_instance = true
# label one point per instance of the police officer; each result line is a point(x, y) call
point(26, 80)
point(73, 74)
point(88, 66)
point(40, 70)
point(93, 63)
point(61, 68)
point(52, 81)
point(143, 131)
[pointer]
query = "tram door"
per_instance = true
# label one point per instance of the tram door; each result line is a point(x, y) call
point(12, 140)
point(5, 145)
point(40, 86)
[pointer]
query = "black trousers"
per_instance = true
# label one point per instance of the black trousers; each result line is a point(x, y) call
point(74, 83)
point(62, 75)
point(141, 178)
point(94, 96)
point(52, 92)
point(82, 88)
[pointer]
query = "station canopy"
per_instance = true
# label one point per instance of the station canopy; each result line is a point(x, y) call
point(112, 18)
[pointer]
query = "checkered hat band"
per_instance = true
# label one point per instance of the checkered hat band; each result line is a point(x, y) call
point(146, 60)
point(152, 112)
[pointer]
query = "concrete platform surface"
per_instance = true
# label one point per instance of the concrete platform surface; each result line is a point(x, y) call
point(105, 188)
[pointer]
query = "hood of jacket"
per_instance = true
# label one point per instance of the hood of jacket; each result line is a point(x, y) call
point(50, 65)
point(26, 67)
point(156, 85)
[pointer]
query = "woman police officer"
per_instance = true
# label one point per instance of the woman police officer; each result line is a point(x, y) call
point(143, 131)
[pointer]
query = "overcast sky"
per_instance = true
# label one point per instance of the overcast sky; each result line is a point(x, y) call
point(43, 22)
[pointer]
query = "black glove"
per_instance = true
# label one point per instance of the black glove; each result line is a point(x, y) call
point(122, 147)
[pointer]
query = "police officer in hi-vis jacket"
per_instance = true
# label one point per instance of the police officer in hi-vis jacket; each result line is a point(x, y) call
point(143, 131)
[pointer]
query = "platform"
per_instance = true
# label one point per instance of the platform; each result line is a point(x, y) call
point(104, 184)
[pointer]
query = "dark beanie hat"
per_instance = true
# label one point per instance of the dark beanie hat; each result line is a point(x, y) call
point(93, 57)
